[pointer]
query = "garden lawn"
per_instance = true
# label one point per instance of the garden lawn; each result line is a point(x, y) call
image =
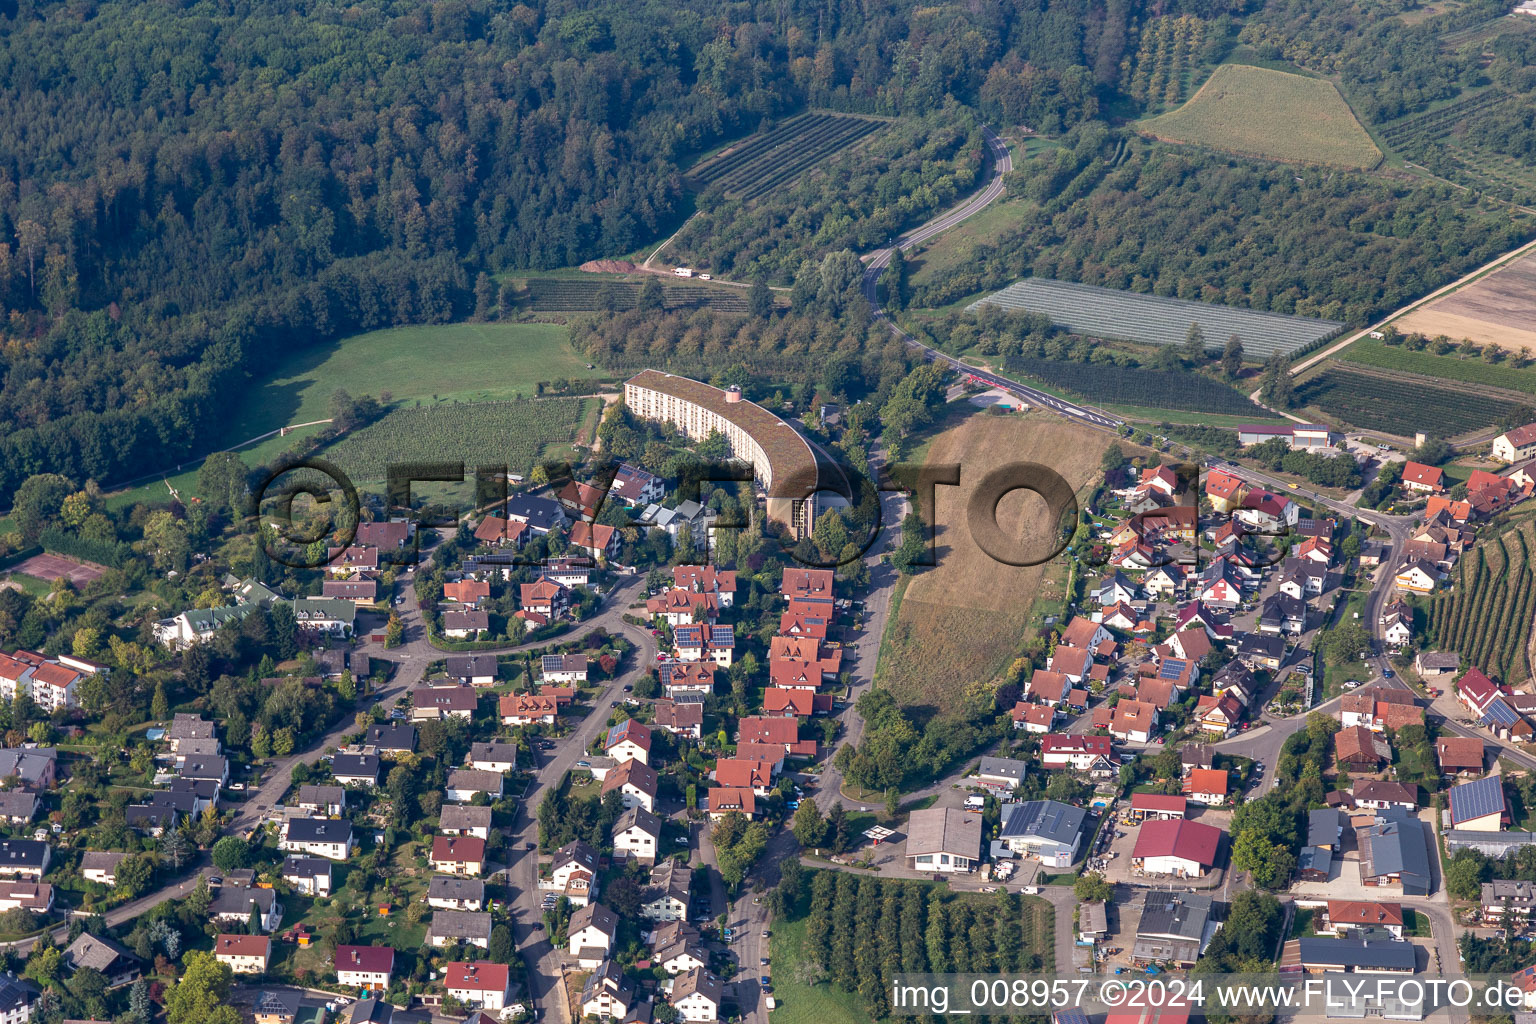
point(805, 1004)
point(465, 362)
point(1269, 114)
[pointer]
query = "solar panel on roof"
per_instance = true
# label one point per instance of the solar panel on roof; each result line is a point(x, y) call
point(1499, 713)
point(1476, 799)
point(721, 634)
point(1172, 669)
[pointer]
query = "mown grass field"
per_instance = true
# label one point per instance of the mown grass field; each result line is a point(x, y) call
point(950, 632)
point(1270, 114)
point(465, 362)
point(805, 1004)
point(184, 482)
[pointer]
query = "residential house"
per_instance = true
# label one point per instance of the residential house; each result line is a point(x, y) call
point(472, 928)
point(690, 681)
point(1459, 755)
point(1418, 577)
point(327, 616)
point(563, 669)
point(447, 893)
point(697, 996)
point(458, 855)
point(368, 967)
point(36, 897)
point(666, 896)
point(464, 783)
point(430, 703)
point(472, 669)
point(1084, 753)
point(322, 800)
point(493, 756)
point(629, 739)
point(637, 834)
point(1259, 650)
point(636, 782)
point(596, 540)
point(356, 769)
point(310, 876)
point(465, 625)
point(114, 962)
point(635, 487)
point(1377, 795)
point(101, 867)
point(232, 905)
point(319, 837)
point(1207, 786)
point(527, 709)
point(1134, 721)
point(699, 641)
point(482, 984)
point(1359, 748)
point(24, 858)
point(608, 995)
point(590, 934)
point(542, 602)
point(243, 954)
point(1345, 918)
point(679, 719)
point(723, 800)
point(1419, 477)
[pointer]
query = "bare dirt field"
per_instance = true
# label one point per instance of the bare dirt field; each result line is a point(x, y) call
point(51, 567)
point(962, 621)
point(1498, 310)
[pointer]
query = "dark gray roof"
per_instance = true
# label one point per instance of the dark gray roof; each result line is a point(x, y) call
point(305, 867)
point(278, 1000)
point(356, 766)
point(1315, 858)
point(95, 952)
point(1397, 848)
point(392, 736)
point(1044, 819)
point(319, 830)
point(1357, 953)
point(1004, 767)
point(443, 887)
point(465, 666)
point(461, 924)
point(22, 853)
point(1323, 827)
point(1261, 644)
point(237, 899)
point(1174, 915)
point(461, 816)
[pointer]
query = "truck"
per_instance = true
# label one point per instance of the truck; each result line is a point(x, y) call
point(768, 1002)
point(1031, 890)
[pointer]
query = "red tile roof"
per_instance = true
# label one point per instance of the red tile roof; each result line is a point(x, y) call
point(452, 849)
point(1428, 476)
point(480, 976)
point(369, 959)
point(1187, 839)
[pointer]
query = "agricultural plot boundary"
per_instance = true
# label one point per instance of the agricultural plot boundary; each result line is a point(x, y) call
point(516, 434)
point(1157, 320)
point(1487, 616)
point(1123, 385)
point(566, 295)
point(769, 159)
point(1402, 403)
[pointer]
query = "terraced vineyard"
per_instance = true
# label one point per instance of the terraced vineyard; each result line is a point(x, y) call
point(562, 295)
point(1487, 616)
point(1155, 320)
point(1402, 403)
point(767, 160)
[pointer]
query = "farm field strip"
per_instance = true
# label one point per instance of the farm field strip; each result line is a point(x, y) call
point(1437, 123)
point(1370, 352)
point(784, 152)
point(1123, 385)
point(1154, 319)
point(549, 295)
point(1398, 404)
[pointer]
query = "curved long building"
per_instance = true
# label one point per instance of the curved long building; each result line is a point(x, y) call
point(785, 467)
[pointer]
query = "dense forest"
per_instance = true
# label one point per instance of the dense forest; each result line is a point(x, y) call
point(188, 190)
